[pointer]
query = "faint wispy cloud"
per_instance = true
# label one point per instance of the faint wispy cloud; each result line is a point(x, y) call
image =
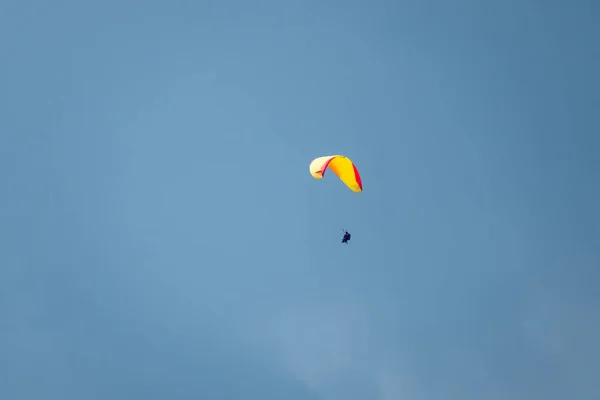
point(331, 350)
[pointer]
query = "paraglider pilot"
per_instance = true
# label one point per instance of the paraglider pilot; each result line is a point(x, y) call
point(346, 237)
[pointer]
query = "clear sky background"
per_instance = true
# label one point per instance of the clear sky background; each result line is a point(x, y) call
point(162, 238)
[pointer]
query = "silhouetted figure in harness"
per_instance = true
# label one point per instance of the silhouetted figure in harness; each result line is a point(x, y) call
point(347, 237)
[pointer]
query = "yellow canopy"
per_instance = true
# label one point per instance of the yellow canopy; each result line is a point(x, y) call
point(342, 166)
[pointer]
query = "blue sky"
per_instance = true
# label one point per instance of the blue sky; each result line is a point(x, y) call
point(163, 238)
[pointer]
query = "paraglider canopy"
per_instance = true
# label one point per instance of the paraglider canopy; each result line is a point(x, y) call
point(342, 166)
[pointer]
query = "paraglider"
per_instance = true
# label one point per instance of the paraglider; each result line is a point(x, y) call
point(342, 166)
point(345, 169)
point(346, 237)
